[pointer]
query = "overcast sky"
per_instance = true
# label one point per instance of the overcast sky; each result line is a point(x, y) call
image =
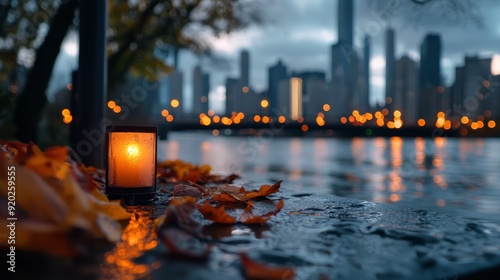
point(300, 32)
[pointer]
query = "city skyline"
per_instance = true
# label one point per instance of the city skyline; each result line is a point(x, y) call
point(309, 44)
point(301, 36)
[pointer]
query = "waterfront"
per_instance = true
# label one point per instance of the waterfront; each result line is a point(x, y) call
point(454, 176)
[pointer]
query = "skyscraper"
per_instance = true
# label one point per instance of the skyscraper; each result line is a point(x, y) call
point(405, 88)
point(477, 86)
point(364, 99)
point(389, 68)
point(345, 19)
point(276, 73)
point(344, 61)
point(200, 91)
point(232, 89)
point(175, 99)
point(430, 78)
point(244, 68)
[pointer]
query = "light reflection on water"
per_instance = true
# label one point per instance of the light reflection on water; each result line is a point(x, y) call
point(448, 175)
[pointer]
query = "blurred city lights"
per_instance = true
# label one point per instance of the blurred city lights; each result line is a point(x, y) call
point(111, 104)
point(65, 112)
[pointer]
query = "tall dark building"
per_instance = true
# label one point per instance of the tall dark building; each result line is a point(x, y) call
point(405, 89)
point(344, 61)
point(244, 68)
point(276, 74)
point(430, 87)
point(477, 86)
point(232, 89)
point(364, 99)
point(345, 19)
point(457, 95)
point(201, 88)
point(389, 68)
point(175, 93)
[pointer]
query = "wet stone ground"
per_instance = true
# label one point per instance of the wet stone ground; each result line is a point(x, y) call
point(321, 236)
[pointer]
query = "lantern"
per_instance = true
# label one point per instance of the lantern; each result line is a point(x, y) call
point(131, 163)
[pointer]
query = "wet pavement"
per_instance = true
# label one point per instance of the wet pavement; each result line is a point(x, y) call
point(318, 235)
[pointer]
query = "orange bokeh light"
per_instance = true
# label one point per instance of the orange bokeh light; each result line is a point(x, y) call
point(264, 103)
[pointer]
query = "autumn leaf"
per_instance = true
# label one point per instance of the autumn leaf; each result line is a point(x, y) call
point(215, 214)
point(179, 232)
point(185, 190)
point(226, 197)
point(229, 189)
point(254, 270)
point(264, 191)
point(178, 170)
point(56, 197)
point(192, 176)
point(247, 217)
point(57, 153)
point(182, 201)
point(178, 214)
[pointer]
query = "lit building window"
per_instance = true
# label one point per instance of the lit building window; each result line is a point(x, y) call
point(295, 98)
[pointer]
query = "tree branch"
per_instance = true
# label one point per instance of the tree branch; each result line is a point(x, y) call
point(31, 101)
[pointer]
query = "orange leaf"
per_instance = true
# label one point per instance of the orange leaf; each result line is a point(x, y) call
point(180, 200)
point(254, 270)
point(264, 191)
point(58, 153)
point(230, 189)
point(226, 197)
point(216, 215)
point(192, 176)
point(247, 217)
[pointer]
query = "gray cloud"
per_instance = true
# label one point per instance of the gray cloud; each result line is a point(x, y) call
point(301, 32)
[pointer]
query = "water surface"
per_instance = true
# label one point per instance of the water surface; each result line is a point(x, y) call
point(449, 175)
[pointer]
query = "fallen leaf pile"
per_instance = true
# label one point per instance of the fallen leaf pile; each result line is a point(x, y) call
point(58, 206)
point(178, 171)
point(184, 236)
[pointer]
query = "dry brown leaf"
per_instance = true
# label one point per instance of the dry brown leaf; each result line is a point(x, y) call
point(185, 190)
point(254, 270)
point(215, 214)
point(264, 191)
point(247, 217)
point(226, 197)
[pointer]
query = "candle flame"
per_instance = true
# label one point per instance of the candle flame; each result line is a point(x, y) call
point(132, 151)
